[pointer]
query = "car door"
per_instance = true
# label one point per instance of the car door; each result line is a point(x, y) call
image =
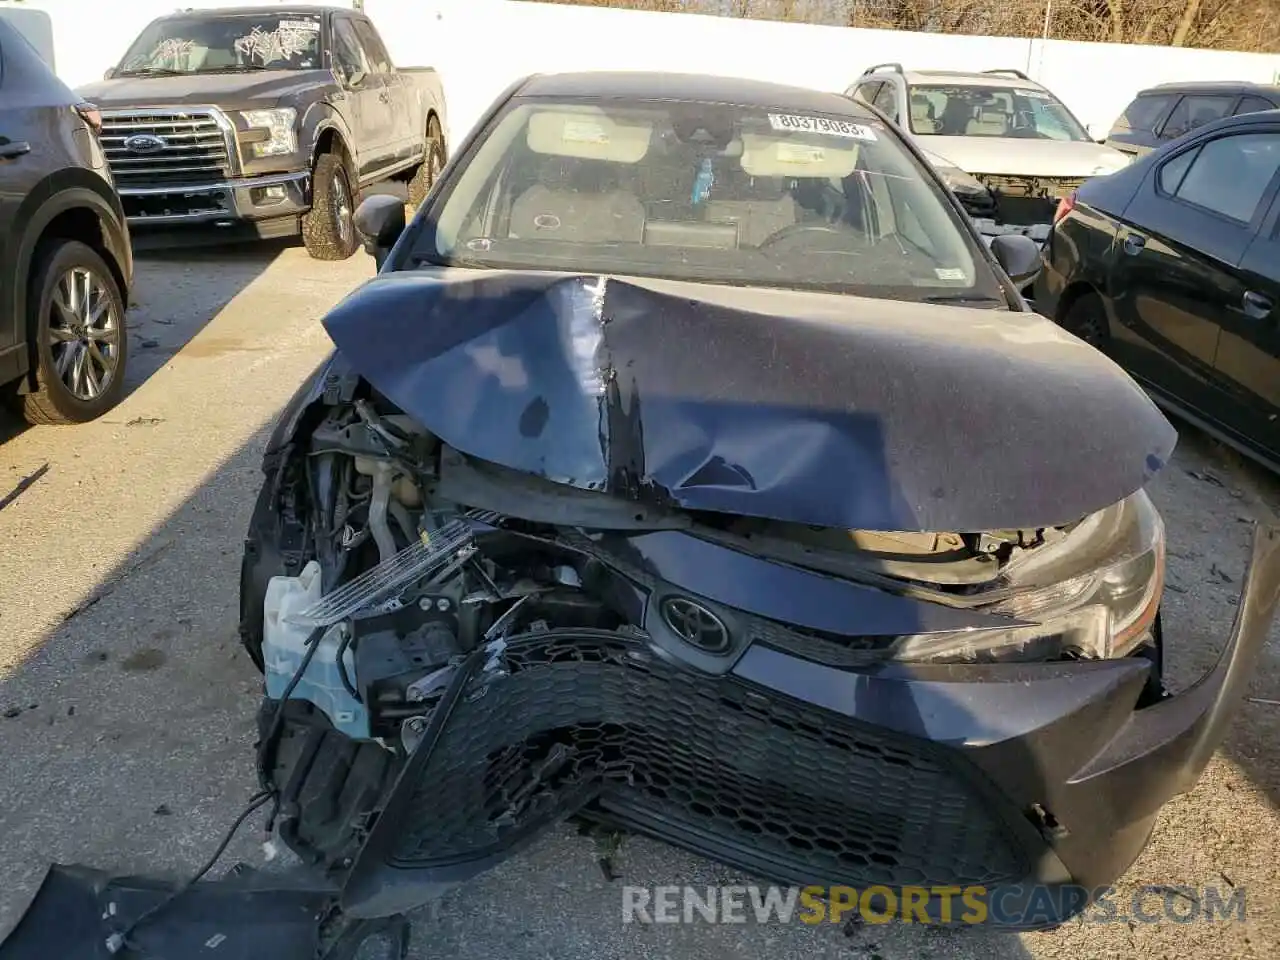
point(362, 91)
point(1175, 276)
point(392, 104)
point(19, 173)
point(1248, 357)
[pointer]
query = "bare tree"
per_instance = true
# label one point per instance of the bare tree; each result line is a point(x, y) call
point(1252, 25)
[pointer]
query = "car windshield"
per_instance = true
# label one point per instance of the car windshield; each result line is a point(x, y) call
point(705, 192)
point(211, 44)
point(966, 110)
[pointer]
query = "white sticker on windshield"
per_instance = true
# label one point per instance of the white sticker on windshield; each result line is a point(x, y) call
point(584, 131)
point(836, 128)
point(310, 26)
point(949, 273)
point(1033, 94)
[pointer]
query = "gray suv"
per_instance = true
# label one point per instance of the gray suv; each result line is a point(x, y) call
point(65, 260)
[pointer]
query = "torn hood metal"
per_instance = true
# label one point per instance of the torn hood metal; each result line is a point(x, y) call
point(806, 407)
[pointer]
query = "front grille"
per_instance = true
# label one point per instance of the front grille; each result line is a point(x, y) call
point(568, 721)
point(1047, 188)
point(1025, 200)
point(194, 148)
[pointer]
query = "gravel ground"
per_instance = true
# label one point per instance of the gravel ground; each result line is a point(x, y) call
point(126, 705)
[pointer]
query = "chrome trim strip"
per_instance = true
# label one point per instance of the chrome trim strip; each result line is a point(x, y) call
point(270, 180)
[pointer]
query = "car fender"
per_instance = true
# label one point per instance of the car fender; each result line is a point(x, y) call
point(65, 190)
point(319, 118)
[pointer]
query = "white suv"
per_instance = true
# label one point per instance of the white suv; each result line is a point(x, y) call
point(1007, 147)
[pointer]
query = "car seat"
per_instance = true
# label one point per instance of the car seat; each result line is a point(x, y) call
point(760, 206)
point(988, 123)
point(577, 201)
point(923, 116)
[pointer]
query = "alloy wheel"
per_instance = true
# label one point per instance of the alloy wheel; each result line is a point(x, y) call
point(84, 333)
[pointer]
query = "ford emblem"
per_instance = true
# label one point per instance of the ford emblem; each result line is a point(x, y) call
point(144, 143)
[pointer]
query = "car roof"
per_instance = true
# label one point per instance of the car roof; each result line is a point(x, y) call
point(301, 9)
point(961, 78)
point(655, 85)
point(1211, 86)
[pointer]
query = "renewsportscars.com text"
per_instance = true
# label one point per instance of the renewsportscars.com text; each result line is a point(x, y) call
point(1017, 907)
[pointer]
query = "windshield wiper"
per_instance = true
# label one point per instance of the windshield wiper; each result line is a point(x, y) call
point(152, 72)
point(962, 298)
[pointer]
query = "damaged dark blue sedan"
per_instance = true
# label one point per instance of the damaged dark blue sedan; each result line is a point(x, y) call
point(693, 468)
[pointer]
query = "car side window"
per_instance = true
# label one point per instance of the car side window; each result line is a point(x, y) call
point(1143, 114)
point(379, 60)
point(347, 55)
point(1228, 176)
point(1171, 174)
point(887, 100)
point(1194, 111)
point(1254, 105)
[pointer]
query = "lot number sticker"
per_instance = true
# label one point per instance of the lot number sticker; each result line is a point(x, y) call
point(834, 128)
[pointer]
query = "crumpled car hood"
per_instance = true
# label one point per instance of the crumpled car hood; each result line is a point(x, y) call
point(806, 407)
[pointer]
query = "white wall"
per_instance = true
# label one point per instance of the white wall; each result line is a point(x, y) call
point(480, 46)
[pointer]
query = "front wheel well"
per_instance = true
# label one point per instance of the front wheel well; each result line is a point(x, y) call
point(1073, 295)
point(432, 116)
point(330, 141)
point(83, 224)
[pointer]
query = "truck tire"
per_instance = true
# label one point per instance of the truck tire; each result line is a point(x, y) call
point(425, 176)
point(329, 229)
point(76, 322)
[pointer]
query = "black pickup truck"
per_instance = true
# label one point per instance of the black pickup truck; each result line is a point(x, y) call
point(265, 121)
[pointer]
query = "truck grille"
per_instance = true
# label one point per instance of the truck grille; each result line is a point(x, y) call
point(158, 148)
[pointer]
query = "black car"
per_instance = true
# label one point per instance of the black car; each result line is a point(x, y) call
point(1166, 112)
point(692, 467)
point(1172, 267)
point(65, 259)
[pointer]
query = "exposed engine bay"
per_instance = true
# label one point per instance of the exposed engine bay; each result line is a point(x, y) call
point(388, 575)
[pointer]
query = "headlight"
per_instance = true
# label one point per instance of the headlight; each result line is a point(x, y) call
point(1106, 612)
point(271, 132)
point(958, 181)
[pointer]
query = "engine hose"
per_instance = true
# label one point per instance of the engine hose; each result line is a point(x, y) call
point(378, 512)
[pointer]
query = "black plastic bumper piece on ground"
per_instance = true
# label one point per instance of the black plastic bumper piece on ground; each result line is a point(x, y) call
point(247, 915)
point(1002, 777)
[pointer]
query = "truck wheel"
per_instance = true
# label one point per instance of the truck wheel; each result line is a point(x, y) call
point(425, 176)
point(76, 320)
point(329, 229)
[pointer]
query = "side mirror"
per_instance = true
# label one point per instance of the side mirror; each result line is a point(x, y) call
point(355, 78)
point(111, 72)
point(1019, 256)
point(380, 220)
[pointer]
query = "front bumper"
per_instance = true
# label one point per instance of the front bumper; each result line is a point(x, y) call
point(270, 199)
point(1005, 778)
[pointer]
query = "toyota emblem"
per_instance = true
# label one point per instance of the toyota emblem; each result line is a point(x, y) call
point(695, 624)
